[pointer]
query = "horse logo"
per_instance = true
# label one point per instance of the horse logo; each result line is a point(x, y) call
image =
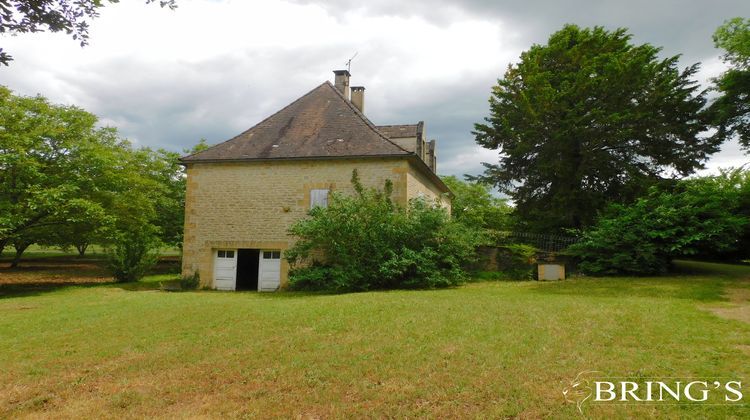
point(579, 390)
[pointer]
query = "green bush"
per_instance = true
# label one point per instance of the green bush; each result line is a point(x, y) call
point(517, 261)
point(643, 238)
point(488, 276)
point(134, 252)
point(190, 282)
point(315, 276)
point(366, 242)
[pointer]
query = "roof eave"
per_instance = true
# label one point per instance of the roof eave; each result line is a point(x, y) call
point(430, 174)
point(184, 161)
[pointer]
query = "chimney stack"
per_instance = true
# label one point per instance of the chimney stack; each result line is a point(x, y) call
point(358, 98)
point(432, 156)
point(341, 82)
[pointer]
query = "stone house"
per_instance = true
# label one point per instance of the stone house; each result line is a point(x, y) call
point(244, 193)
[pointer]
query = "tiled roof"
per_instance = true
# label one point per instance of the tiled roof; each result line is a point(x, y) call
point(399, 131)
point(322, 123)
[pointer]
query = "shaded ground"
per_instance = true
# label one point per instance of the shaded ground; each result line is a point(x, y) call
point(55, 270)
point(485, 350)
point(45, 273)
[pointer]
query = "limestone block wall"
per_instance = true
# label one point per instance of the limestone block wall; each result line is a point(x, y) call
point(251, 204)
point(418, 184)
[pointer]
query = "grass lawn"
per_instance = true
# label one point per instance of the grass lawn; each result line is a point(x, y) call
point(489, 349)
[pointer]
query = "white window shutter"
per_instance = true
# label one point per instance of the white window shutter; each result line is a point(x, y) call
point(318, 198)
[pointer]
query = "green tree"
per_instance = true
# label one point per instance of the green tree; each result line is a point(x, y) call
point(136, 237)
point(695, 217)
point(730, 112)
point(587, 119)
point(21, 242)
point(474, 205)
point(165, 184)
point(734, 37)
point(71, 17)
point(94, 227)
point(743, 247)
point(162, 184)
point(53, 163)
point(199, 147)
point(66, 182)
point(101, 172)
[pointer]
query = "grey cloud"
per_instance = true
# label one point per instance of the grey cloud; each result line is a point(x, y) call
point(678, 27)
point(174, 104)
point(681, 27)
point(449, 112)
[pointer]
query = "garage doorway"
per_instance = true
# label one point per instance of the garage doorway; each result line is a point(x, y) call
point(247, 269)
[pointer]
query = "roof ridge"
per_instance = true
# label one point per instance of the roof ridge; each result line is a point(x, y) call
point(362, 116)
point(263, 120)
point(396, 125)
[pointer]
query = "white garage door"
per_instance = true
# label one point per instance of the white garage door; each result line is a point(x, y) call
point(269, 270)
point(225, 269)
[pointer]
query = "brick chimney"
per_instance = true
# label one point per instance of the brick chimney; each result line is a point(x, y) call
point(341, 82)
point(358, 98)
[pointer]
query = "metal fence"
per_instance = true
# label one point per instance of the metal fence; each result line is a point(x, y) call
point(548, 243)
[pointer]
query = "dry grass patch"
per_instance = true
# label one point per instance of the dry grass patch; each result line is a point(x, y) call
point(737, 306)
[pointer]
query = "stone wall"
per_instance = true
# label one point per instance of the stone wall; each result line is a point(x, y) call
point(418, 184)
point(251, 204)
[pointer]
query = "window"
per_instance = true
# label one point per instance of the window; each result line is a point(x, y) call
point(272, 255)
point(225, 254)
point(222, 254)
point(318, 198)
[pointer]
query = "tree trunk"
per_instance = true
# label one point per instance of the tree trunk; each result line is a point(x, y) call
point(3, 242)
point(19, 251)
point(82, 249)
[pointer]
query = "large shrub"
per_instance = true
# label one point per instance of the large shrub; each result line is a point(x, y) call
point(134, 252)
point(739, 180)
point(643, 238)
point(365, 242)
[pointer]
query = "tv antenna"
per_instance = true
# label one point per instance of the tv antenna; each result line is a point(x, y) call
point(349, 62)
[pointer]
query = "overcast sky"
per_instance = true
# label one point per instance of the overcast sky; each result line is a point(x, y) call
point(211, 69)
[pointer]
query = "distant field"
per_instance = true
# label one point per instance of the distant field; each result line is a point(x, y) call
point(487, 349)
point(48, 268)
point(36, 251)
